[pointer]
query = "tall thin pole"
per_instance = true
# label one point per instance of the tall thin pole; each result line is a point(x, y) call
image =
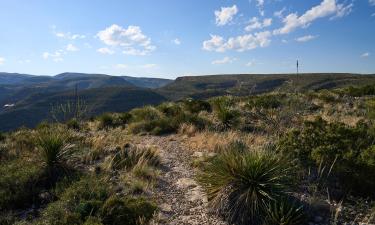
point(297, 76)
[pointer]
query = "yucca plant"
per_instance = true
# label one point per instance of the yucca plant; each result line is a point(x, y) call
point(228, 116)
point(285, 211)
point(241, 185)
point(53, 148)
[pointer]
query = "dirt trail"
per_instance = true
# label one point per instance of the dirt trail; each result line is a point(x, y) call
point(180, 198)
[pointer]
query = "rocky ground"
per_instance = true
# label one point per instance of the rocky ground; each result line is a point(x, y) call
point(180, 198)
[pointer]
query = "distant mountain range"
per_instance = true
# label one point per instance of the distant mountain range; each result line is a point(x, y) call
point(26, 100)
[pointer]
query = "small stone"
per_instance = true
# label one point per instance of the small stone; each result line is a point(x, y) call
point(186, 183)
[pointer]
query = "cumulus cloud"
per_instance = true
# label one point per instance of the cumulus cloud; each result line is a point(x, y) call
point(365, 55)
point(131, 39)
point(225, 60)
point(56, 56)
point(225, 15)
point(2, 60)
point(260, 4)
point(324, 9)
point(106, 51)
point(176, 41)
point(238, 43)
point(372, 2)
point(250, 63)
point(71, 48)
point(373, 14)
point(306, 38)
point(255, 23)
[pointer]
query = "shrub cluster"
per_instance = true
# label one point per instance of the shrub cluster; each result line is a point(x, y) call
point(92, 201)
point(348, 150)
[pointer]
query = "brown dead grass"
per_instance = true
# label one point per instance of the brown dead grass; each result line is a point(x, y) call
point(208, 141)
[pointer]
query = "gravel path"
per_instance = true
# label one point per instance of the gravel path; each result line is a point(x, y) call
point(180, 198)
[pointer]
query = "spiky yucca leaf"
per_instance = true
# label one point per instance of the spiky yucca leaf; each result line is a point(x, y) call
point(284, 211)
point(241, 185)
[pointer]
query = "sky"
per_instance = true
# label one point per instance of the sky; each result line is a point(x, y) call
point(172, 38)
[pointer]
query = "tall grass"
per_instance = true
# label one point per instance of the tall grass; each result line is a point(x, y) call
point(241, 185)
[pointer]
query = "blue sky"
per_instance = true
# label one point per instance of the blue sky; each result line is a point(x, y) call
point(171, 38)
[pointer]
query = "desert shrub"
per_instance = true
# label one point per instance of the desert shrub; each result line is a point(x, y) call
point(196, 106)
point(2, 136)
point(359, 91)
point(124, 118)
point(126, 211)
point(241, 185)
point(286, 212)
point(81, 200)
point(170, 109)
point(147, 113)
point(106, 120)
point(167, 120)
point(264, 101)
point(20, 182)
point(348, 148)
point(22, 141)
point(53, 147)
point(73, 124)
point(130, 156)
point(228, 117)
point(326, 96)
point(92, 221)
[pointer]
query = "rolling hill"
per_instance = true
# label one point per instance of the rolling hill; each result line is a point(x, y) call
point(34, 96)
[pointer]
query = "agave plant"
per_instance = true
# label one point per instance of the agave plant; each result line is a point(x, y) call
point(240, 186)
point(284, 211)
point(53, 148)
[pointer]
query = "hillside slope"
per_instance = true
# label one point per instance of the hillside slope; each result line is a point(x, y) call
point(247, 84)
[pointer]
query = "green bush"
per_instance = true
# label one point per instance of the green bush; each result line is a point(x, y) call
point(264, 101)
point(126, 211)
point(77, 203)
point(106, 120)
point(196, 106)
point(73, 124)
point(241, 185)
point(20, 182)
point(359, 91)
point(348, 148)
point(124, 118)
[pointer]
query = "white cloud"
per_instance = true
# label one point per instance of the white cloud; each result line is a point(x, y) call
point(306, 38)
point(343, 10)
point(325, 8)
point(71, 48)
point(106, 51)
point(69, 35)
point(256, 24)
point(225, 60)
point(56, 56)
point(176, 41)
point(372, 2)
point(284, 41)
point(280, 13)
point(149, 66)
point(131, 39)
point(238, 43)
point(365, 55)
point(225, 15)
point(373, 14)
point(121, 66)
point(2, 60)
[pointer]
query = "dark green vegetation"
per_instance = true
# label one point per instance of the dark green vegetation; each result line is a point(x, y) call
point(44, 179)
point(34, 96)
